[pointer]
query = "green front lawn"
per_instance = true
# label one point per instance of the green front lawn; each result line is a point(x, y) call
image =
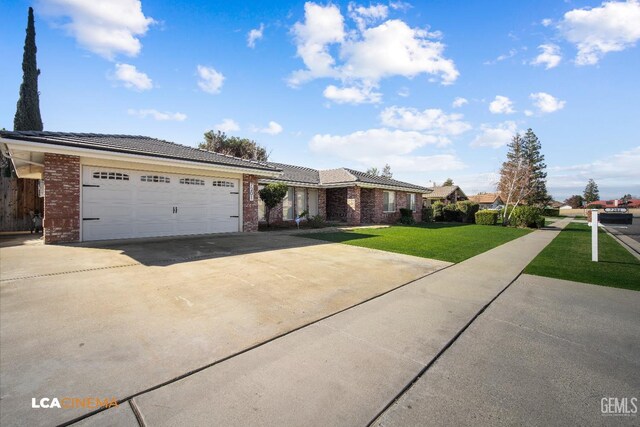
point(569, 257)
point(445, 242)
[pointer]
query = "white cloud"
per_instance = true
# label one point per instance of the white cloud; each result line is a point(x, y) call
point(365, 16)
point(400, 5)
point(254, 35)
point(495, 136)
point(105, 27)
point(369, 145)
point(210, 80)
point(500, 58)
point(322, 26)
point(528, 113)
point(352, 95)
point(549, 57)
point(158, 115)
point(501, 105)
point(273, 128)
point(612, 27)
point(546, 103)
point(459, 102)
point(431, 120)
point(131, 78)
point(365, 55)
point(404, 92)
point(227, 125)
point(546, 22)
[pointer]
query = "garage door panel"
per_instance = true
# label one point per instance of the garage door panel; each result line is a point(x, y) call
point(147, 204)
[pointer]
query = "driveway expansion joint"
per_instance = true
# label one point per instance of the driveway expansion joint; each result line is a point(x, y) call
point(62, 273)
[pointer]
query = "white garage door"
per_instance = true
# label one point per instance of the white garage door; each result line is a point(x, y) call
point(120, 204)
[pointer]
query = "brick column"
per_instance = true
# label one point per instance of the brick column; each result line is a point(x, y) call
point(353, 205)
point(249, 207)
point(378, 202)
point(417, 215)
point(322, 202)
point(62, 198)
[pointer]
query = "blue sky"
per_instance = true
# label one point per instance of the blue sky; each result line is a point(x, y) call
point(434, 88)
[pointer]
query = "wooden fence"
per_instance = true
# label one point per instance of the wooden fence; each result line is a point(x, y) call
point(18, 198)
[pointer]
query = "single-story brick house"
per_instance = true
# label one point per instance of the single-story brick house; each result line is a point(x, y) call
point(445, 194)
point(100, 187)
point(488, 200)
point(343, 195)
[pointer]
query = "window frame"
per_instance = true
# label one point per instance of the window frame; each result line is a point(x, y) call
point(288, 204)
point(389, 204)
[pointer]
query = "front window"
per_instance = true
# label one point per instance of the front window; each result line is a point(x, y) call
point(301, 201)
point(389, 201)
point(411, 202)
point(261, 209)
point(287, 205)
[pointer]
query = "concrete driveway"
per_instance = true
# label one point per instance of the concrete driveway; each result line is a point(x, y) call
point(114, 320)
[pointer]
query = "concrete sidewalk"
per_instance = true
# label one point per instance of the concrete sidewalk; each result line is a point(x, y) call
point(545, 353)
point(346, 369)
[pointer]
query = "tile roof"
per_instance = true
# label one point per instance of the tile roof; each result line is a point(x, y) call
point(442, 192)
point(381, 180)
point(299, 174)
point(134, 144)
point(485, 198)
point(293, 173)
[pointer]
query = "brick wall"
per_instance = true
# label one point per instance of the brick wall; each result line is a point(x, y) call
point(367, 205)
point(322, 202)
point(62, 198)
point(336, 204)
point(249, 207)
point(353, 205)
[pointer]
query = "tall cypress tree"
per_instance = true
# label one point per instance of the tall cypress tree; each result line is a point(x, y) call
point(28, 109)
point(531, 147)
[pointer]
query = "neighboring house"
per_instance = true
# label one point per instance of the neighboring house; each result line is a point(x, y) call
point(631, 203)
point(100, 187)
point(445, 194)
point(343, 195)
point(565, 207)
point(488, 200)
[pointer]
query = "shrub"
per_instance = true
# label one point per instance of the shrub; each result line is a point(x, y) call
point(595, 206)
point(427, 214)
point(316, 222)
point(526, 216)
point(271, 195)
point(438, 211)
point(467, 211)
point(487, 217)
point(450, 213)
point(406, 216)
point(551, 212)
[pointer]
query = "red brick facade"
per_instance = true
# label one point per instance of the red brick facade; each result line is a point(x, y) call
point(353, 205)
point(62, 198)
point(249, 207)
point(276, 215)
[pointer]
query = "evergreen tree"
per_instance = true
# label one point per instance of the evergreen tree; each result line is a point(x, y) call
point(447, 183)
point(28, 109)
point(531, 149)
point(386, 171)
point(591, 192)
point(515, 176)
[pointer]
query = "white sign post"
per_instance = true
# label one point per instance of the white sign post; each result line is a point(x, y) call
point(594, 235)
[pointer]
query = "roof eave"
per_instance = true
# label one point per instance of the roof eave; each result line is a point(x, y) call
point(44, 147)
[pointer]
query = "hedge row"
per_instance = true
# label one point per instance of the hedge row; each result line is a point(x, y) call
point(487, 217)
point(455, 212)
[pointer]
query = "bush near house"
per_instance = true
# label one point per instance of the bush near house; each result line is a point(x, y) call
point(527, 216)
point(456, 212)
point(487, 217)
point(406, 217)
point(427, 214)
point(595, 206)
point(467, 211)
point(438, 211)
point(551, 212)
